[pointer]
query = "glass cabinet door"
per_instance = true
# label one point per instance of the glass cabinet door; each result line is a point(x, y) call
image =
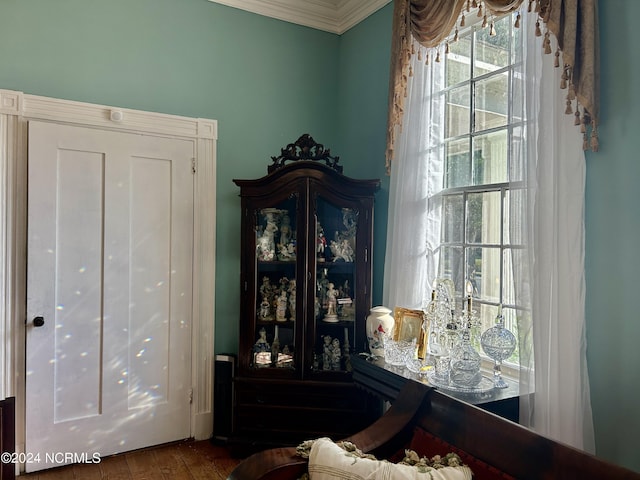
point(276, 298)
point(333, 325)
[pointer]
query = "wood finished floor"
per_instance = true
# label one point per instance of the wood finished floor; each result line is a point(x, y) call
point(188, 460)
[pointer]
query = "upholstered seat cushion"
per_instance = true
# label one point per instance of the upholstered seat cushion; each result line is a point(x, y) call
point(424, 443)
point(328, 461)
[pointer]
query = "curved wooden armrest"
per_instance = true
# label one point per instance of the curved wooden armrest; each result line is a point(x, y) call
point(272, 464)
point(395, 422)
point(384, 434)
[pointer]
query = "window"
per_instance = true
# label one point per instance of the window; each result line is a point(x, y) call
point(462, 203)
point(481, 130)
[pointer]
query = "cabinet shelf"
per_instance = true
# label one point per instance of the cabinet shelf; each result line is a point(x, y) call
point(285, 324)
point(275, 264)
point(339, 323)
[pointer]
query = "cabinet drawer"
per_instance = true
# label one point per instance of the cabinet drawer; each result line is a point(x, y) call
point(330, 396)
point(291, 412)
point(275, 423)
point(299, 419)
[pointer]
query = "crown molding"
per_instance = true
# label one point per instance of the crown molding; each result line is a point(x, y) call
point(334, 16)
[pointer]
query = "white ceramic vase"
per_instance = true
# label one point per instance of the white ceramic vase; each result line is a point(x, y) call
point(380, 323)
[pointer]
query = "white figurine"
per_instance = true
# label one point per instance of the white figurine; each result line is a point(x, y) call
point(335, 354)
point(327, 353)
point(332, 304)
point(285, 230)
point(281, 307)
point(266, 243)
point(261, 344)
point(341, 250)
point(292, 300)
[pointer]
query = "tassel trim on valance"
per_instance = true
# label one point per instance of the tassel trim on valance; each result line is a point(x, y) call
point(409, 15)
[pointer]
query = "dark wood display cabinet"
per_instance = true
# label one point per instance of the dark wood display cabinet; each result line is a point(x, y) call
point(307, 238)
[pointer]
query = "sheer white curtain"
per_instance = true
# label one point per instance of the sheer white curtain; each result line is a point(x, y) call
point(557, 371)
point(413, 228)
point(549, 274)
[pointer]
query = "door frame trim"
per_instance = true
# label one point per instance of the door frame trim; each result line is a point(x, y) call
point(16, 109)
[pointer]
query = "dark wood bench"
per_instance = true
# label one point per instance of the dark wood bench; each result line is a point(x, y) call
point(8, 436)
point(431, 422)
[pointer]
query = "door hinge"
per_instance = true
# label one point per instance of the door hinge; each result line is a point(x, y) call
point(191, 395)
point(193, 165)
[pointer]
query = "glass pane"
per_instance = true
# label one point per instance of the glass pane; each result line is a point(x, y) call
point(483, 270)
point(457, 166)
point(458, 62)
point(514, 216)
point(491, 102)
point(510, 316)
point(518, 85)
point(508, 291)
point(517, 166)
point(276, 298)
point(452, 216)
point(457, 113)
point(506, 216)
point(451, 265)
point(484, 217)
point(334, 303)
point(515, 264)
point(492, 52)
point(490, 158)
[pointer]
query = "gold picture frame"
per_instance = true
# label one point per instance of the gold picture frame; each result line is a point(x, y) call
point(408, 325)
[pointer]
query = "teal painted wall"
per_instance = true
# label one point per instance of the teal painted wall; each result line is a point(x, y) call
point(612, 226)
point(266, 82)
point(362, 107)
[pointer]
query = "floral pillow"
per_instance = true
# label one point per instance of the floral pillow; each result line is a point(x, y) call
point(343, 461)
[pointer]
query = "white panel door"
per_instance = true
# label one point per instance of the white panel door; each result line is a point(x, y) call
point(109, 273)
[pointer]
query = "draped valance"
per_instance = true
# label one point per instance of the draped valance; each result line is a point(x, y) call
point(432, 23)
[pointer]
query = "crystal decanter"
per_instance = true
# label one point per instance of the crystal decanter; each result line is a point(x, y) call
point(465, 363)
